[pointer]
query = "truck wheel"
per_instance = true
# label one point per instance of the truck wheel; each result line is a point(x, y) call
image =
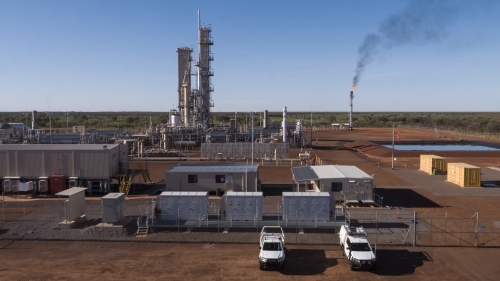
point(261, 267)
point(351, 266)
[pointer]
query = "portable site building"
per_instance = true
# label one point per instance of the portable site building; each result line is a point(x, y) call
point(306, 206)
point(242, 206)
point(73, 208)
point(433, 164)
point(228, 177)
point(112, 207)
point(345, 183)
point(175, 205)
point(464, 175)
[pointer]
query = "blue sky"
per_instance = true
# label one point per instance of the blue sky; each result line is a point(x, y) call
point(121, 56)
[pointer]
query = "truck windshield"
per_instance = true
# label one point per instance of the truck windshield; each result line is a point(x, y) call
point(272, 246)
point(360, 247)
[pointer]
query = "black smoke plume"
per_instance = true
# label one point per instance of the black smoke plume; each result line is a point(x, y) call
point(423, 21)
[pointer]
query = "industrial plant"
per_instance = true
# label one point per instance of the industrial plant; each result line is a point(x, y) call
point(69, 155)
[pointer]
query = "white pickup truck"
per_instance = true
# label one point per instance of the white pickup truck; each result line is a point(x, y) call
point(272, 248)
point(357, 249)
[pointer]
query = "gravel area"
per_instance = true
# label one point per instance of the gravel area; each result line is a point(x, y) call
point(43, 224)
point(438, 185)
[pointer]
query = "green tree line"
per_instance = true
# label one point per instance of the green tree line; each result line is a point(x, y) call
point(473, 122)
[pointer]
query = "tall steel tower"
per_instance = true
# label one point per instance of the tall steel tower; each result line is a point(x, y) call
point(205, 88)
point(184, 88)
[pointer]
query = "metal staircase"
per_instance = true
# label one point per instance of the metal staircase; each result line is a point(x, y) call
point(142, 229)
point(126, 180)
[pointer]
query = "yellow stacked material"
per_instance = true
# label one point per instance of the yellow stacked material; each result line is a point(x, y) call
point(464, 175)
point(430, 162)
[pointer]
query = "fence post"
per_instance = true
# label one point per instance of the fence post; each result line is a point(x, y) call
point(430, 240)
point(445, 225)
point(414, 228)
point(460, 232)
point(376, 237)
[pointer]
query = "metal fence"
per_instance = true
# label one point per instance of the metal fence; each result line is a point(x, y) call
point(403, 227)
point(467, 232)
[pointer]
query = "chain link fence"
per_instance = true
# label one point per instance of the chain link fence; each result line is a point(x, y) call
point(39, 220)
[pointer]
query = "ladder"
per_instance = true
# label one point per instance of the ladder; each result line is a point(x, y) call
point(142, 229)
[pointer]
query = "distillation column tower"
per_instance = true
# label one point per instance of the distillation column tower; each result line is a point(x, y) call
point(204, 73)
point(351, 97)
point(184, 88)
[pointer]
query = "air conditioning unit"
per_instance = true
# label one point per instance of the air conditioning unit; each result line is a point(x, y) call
point(42, 186)
point(73, 183)
point(13, 185)
point(6, 185)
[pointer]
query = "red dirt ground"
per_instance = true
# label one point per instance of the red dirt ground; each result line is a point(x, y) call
point(61, 260)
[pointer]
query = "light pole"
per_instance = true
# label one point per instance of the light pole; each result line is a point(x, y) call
point(25, 129)
point(252, 136)
point(50, 124)
point(67, 113)
point(392, 155)
point(311, 130)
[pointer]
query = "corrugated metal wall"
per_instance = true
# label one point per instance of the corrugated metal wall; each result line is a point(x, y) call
point(88, 164)
point(244, 150)
point(4, 163)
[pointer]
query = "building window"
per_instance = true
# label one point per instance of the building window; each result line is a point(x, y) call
point(192, 178)
point(336, 186)
point(220, 178)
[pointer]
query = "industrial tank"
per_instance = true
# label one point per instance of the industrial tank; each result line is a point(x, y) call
point(175, 120)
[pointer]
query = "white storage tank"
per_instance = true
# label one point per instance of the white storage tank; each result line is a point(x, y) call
point(183, 205)
point(241, 206)
point(112, 207)
point(175, 120)
point(306, 206)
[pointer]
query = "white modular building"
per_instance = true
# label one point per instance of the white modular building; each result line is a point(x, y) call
point(241, 206)
point(348, 184)
point(175, 205)
point(209, 177)
point(306, 206)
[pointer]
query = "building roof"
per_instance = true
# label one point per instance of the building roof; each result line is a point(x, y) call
point(184, 193)
point(113, 195)
point(71, 191)
point(306, 194)
point(242, 194)
point(210, 168)
point(464, 165)
point(57, 146)
point(328, 172)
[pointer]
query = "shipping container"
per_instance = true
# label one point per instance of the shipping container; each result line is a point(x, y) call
point(306, 206)
point(112, 207)
point(175, 205)
point(433, 164)
point(57, 183)
point(464, 175)
point(242, 206)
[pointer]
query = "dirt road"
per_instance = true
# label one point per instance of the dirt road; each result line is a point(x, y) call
point(26, 260)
